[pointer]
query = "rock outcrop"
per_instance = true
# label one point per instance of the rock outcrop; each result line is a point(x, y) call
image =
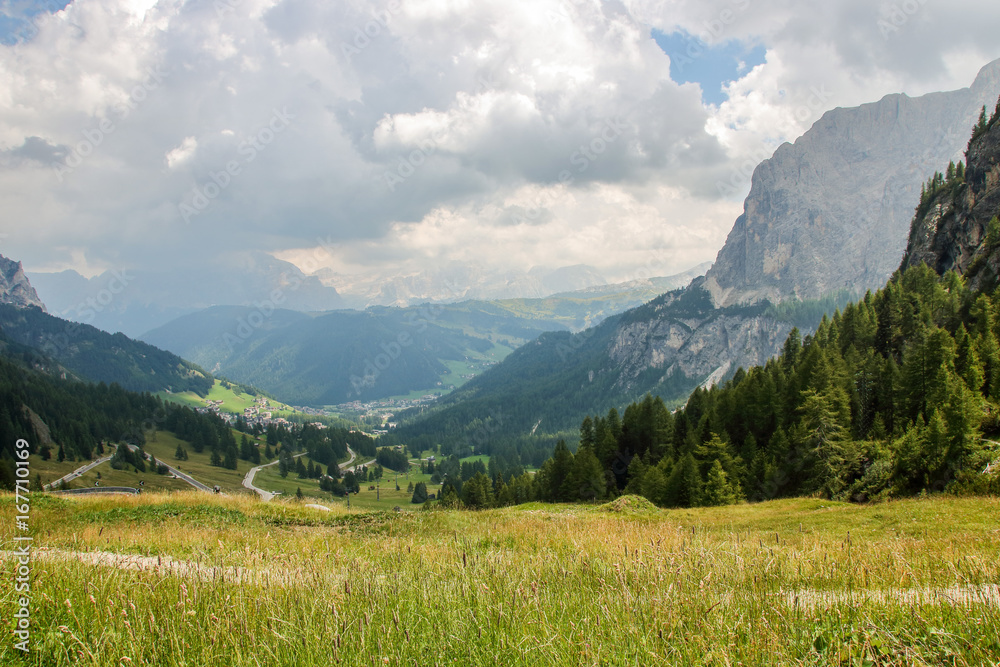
point(952, 231)
point(14, 286)
point(831, 211)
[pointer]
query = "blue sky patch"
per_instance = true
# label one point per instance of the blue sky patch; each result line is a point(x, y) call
point(17, 17)
point(694, 61)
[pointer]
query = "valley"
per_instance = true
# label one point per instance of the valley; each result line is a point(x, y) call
point(443, 377)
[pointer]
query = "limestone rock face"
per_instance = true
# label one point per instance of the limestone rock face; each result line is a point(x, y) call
point(704, 346)
point(951, 234)
point(14, 286)
point(831, 212)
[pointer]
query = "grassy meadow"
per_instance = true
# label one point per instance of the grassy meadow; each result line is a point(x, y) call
point(186, 579)
point(233, 400)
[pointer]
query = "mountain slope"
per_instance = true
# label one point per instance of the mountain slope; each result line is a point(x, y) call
point(134, 301)
point(956, 228)
point(833, 210)
point(801, 236)
point(97, 356)
point(325, 358)
point(312, 359)
point(895, 395)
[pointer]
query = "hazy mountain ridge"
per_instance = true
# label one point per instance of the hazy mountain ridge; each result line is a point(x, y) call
point(480, 332)
point(134, 301)
point(457, 281)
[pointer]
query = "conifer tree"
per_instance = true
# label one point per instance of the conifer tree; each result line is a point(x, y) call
point(717, 488)
point(683, 488)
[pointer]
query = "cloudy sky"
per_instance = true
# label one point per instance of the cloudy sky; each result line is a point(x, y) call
point(401, 134)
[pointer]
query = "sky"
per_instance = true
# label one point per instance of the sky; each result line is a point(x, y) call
point(400, 135)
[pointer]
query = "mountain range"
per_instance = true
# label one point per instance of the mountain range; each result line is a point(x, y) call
point(135, 301)
point(827, 217)
point(341, 356)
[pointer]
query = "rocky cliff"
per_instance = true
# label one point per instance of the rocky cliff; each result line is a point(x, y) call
point(14, 286)
point(832, 210)
point(952, 229)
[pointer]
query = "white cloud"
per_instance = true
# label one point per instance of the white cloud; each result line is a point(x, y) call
point(477, 108)
point(182, 153)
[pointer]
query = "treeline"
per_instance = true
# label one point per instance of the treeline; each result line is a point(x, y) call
point(889, 397)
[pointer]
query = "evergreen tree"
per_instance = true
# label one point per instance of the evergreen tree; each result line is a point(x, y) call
point(562, 465)
point(230, 460)
point(586, 478)
point(717, 490)
point(683, 488)
point(477, 493)
point(419, 494)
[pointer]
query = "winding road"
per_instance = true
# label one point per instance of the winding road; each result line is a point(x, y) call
point(184, 477)
point(82, 470)
point(267, 495)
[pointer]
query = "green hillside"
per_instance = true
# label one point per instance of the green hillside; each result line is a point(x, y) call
point(97, 356)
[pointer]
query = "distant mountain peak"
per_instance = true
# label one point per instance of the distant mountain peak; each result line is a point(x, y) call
point(15, 288)
point(831, 211)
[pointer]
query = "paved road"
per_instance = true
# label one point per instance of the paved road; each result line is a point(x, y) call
point(113, 490)
point(76, 473)
point(84, 469)
point(267, 495)
point(248, 480)
point(178, 474)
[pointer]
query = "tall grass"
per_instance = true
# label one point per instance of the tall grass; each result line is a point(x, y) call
point(281, 584)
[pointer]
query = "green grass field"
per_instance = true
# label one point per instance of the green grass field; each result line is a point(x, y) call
point(233, 581)
point(52, 469)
